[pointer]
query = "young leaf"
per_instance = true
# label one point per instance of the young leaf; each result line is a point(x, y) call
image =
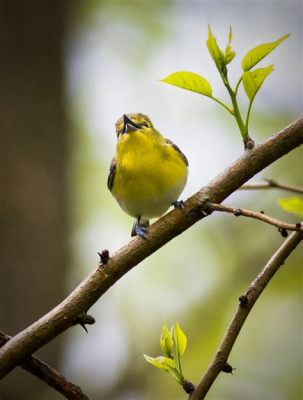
point(257, 54)
point(293, 205)
point(189, 81)
point(229, 52)
point(180, 339)
point(164, 363)
point(166, 342)
point(214, 50)
point(252, 80)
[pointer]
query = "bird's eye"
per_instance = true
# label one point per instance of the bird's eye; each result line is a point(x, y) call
point(145, 124)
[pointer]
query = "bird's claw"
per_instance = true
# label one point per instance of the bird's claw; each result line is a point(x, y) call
point(178, 204)
point(141, 231)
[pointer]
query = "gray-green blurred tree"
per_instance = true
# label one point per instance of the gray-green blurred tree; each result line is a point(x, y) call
point(34, 154)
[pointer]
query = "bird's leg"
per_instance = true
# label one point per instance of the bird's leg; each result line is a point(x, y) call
point(140, 229)
point(178, 204)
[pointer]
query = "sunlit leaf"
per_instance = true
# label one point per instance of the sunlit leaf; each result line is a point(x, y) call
point(252, 80)
point(229, 52)
point(166, 341)
point(257, 54)
point(164, 363)
point(214, 50)
point(189, 81)
point(180, 339)
point(292, 205)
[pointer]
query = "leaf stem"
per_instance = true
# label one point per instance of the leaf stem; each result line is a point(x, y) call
point(178, 357)
point(179, 376)
point(236, 111)
point(237, 86)
point(237, 114)
point(248, 114)
point(223, 105)
point(180, 371)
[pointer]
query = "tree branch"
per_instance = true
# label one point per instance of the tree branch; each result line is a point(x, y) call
point(257, 215)
point(162, 231)
point(271, 184)
point(48, 375)
point(247, 301)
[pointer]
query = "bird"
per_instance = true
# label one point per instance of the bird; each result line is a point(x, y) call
point(148, 171)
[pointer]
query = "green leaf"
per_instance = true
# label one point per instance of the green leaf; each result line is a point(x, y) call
point(229, 52)
point(167, 365)
point(166, 342)
point(257, 54)
point(180, 340)
point(252, 80)
point(292, 205)
point(164, 363)
point(189, 81)
point(214, 50)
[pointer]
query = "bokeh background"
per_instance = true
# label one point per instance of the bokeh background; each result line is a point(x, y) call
point(68, 71)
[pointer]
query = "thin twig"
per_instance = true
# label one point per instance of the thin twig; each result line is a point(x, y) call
point(48, 375)
point(161, 232)
point(256, 215)
point(272, 184)
point(247, 301)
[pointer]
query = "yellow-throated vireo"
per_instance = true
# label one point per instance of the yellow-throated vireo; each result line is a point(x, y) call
point(147, 173)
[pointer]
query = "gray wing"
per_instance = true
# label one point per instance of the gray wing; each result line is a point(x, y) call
point(168, 141)
point(111, 175)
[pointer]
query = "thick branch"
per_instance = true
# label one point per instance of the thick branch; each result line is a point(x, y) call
point(247, 301)
point(272, 184)
point(166, 228)
point(48, 375)
point(256, 215)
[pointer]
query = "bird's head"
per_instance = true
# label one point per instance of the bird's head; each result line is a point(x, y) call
point(133, 123)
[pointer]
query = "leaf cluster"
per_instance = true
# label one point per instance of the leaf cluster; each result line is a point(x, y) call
point(173, 344)
point(251, 79)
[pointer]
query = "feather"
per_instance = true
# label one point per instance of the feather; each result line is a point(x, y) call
point(111, 175)
point(172, 144)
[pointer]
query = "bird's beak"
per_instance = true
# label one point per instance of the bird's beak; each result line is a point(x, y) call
point(129, 125)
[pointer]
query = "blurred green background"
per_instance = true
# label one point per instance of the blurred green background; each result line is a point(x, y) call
point(69, 70)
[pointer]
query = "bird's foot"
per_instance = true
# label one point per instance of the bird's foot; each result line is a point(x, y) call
point(139, 230)
point(178, 204)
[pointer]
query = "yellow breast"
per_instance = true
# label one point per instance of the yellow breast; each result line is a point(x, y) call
point(150, 174)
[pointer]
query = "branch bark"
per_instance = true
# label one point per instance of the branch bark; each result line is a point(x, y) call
point(256, 215)
point(247, 302)
point(162, 231)
point(48, 375)
point(272, 184)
